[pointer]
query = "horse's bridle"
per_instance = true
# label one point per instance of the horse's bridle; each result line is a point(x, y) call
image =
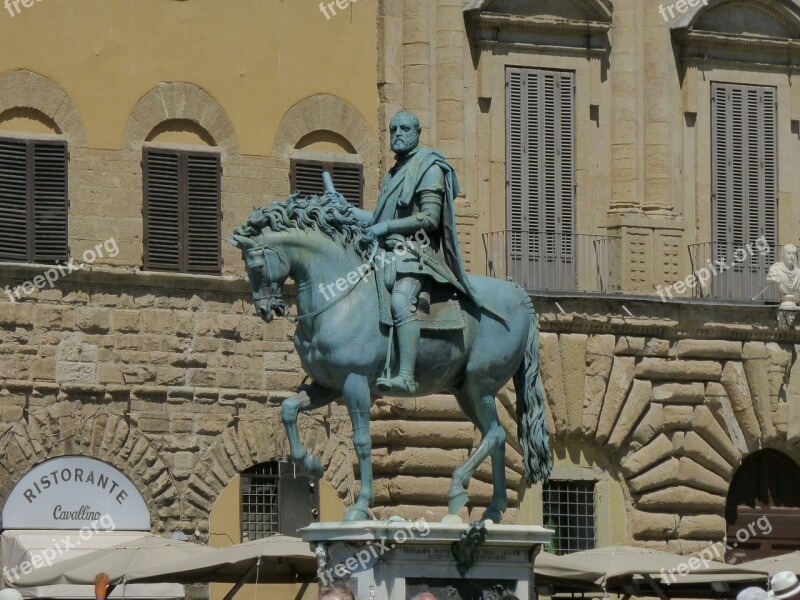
point(276, 302)
point(275, 298)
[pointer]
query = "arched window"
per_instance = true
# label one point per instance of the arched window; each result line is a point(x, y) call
point(763, 508)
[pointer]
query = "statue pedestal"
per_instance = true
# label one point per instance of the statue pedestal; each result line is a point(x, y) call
point(396, 560)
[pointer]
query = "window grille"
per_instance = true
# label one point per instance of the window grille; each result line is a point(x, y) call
point(569, 509)
point(260, 501)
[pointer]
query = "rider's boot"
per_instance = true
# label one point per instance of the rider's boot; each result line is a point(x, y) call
point(408, 342)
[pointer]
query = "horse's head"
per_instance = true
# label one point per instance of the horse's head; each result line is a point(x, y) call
point(267, 268)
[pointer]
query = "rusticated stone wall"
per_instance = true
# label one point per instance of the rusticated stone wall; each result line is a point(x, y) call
point(180, 389)
point(676, 396)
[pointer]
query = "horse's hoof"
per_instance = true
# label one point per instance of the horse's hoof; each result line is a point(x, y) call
point(458, 500)
point(452, 519)
point(357, 514)
point(313, 466)
point(492, 515)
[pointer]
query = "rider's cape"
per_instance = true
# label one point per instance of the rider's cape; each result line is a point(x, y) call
point(398, 190)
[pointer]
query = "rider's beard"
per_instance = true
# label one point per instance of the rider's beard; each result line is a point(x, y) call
point(401, 147)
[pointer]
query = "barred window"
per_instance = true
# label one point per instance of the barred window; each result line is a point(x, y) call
point(277, 497)
point(569, 509)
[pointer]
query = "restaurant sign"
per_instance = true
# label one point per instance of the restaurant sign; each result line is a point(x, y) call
point(71, 492)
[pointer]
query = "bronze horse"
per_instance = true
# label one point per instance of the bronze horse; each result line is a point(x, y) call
point(343, 346)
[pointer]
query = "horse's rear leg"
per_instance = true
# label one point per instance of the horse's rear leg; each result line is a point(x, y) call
point(482, 412)
point(309, 398)
point(357, 398)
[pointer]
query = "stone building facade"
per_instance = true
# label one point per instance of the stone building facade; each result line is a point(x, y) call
point(170, 378)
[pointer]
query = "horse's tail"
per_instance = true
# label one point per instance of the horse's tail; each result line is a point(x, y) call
point(533, 435)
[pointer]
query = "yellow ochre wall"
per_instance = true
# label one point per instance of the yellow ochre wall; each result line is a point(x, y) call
point(257, 58)
point(225, 530)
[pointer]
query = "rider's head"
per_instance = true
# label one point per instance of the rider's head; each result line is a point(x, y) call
point(404, 130)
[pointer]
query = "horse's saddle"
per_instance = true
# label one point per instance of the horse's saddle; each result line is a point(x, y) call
point(438, 308)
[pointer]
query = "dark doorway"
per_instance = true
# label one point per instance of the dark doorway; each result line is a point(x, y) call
point(763, 508)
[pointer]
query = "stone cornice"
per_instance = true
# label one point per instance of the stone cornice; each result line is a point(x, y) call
point(648, 316)
point(550, 33)
point(728, 48)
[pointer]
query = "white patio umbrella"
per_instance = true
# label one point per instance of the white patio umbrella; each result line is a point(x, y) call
point(275, 559)
point(117, 561)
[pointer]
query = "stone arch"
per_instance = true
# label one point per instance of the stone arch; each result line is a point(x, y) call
point(175, 100)
point(325, 112)
point(241, 447)
point(101, 435)
point(26, 89)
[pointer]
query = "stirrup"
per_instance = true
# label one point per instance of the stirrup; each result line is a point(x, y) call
point(408, 385)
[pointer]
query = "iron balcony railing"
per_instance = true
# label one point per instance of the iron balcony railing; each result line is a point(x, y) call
point(733, 272)
point(544, 261)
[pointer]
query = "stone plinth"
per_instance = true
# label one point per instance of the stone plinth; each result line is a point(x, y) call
point(396, 560)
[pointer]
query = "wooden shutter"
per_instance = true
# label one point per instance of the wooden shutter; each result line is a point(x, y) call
point(182, 214)
point(540, 167)
point(348, 178)
point(49, 201)
point(744, 163)
point(204, 216)
point(162, 214)
point(33, 200)
point(14, 238)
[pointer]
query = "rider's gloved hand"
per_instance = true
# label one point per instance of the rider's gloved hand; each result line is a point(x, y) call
point(379, 230)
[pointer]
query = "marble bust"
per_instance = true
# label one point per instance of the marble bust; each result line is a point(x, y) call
point(786, 275)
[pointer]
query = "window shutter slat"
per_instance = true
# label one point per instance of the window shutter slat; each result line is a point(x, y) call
point(348, 179)
point(540, 167)
point(516, 165)
point(50, 201)
point(13, 200)
point(203, 213)
point(744, 160)
point(162, 210)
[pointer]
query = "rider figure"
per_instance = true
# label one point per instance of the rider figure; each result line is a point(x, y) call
point(416, 195)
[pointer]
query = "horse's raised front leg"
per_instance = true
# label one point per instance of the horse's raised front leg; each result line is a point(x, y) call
point(309, 398)
point(482, 412)
point(357, 398)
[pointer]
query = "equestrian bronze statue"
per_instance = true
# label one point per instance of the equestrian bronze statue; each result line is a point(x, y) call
point(386, 292)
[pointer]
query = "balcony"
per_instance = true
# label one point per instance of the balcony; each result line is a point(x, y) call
point(543, 261)
point(728, 272)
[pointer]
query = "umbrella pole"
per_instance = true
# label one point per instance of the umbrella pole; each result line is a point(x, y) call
point(656, 588)
point(243, 580)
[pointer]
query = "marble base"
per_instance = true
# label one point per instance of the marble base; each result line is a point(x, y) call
point(396, 560)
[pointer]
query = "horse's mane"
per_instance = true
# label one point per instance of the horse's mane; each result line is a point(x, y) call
point(329, 214)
